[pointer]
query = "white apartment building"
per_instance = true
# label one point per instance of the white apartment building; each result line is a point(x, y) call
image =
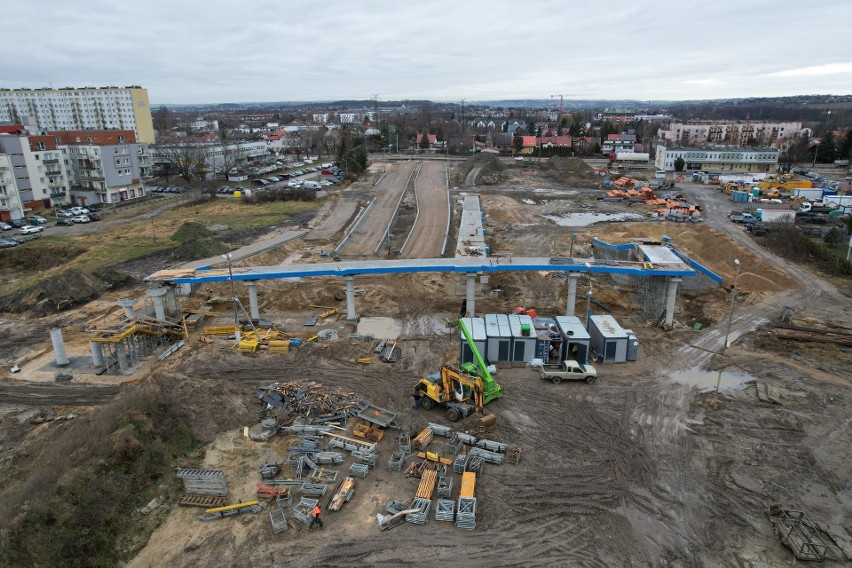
point(714, 159)
point(11, 206)
point(695, 133)
point(90, 108)
point(37, 174)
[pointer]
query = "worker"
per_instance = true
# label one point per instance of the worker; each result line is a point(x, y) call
point(315, 518)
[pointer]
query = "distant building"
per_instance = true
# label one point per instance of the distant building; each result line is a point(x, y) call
point(619, 143)
point(717, 158)
point(350, 118)
point(103, 108)
point(202, 124)
point(740, 133)
point(617, 115)
point(320, 117)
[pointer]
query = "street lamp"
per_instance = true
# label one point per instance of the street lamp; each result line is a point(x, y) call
point(233, 296)
point(571, 251)
point(733, 299)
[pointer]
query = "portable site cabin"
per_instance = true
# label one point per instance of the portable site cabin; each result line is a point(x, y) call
point(499, 342)
point(576, 341)
point(523, 338)
point(608, 339)
point(476, 328)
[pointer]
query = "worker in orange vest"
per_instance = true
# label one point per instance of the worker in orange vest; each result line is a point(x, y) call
point(315, 518)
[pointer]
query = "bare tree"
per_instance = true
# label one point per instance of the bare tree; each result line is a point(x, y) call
point(186, 160)
point(232, 155)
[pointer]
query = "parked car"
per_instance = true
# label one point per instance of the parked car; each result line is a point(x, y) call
point(568, 370)
point(6, 227)
point(65, 222)
point(9, 243)
point(94, 216)
point(32, 229)
point(17, 223)
point(81, 219)
point(37, 219)
point(64, 214)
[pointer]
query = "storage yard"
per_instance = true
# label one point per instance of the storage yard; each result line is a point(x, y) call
point(419, 399)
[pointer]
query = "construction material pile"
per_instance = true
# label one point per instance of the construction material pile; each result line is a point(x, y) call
point(310, 400)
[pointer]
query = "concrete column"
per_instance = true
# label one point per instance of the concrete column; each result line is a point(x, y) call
point(252, 291)
point(97, 354)
point(671, 296)
point(470, 304)
point(127, 304)
point(350, 298)
point(121, 352)
point(573, 277)
point(157, 296)
point(171, 300)
point(58, 346)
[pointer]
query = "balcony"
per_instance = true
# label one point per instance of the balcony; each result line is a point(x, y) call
point(49, 162)
point(58, 194)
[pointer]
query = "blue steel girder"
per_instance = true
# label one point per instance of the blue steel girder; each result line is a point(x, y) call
point(354, 268)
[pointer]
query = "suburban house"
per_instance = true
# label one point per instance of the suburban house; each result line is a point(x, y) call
point(621, 142)
point(434, 143)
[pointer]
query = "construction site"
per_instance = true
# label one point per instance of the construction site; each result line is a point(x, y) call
point(471, 361)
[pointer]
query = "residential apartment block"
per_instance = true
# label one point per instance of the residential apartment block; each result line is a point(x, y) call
point(717, 158)
point(91, 108)
point(740, 133)
point(55, 169)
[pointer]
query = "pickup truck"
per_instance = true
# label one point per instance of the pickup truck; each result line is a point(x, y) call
point(569, 371)
point(742, 218)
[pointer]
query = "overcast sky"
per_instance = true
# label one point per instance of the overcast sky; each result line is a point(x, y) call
point(208, 51)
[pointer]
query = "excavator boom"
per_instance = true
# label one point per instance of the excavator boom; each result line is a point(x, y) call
point(491, 389)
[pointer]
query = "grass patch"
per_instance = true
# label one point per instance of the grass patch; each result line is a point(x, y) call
point(136, 238)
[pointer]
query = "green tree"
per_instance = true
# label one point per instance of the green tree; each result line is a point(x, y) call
point(679, 164)
point(844, 147)
point(826, 150)
point(608, 128)
point(518, 142)
point(531, 128)
point(424, 141)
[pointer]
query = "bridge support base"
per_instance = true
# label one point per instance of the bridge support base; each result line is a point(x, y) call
point(671, 296)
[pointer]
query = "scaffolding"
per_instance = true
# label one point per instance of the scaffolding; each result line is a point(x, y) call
point(122, 346)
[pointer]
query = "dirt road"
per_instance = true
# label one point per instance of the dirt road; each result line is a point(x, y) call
point(427, 237)
point(35, 394)
point(371, 228)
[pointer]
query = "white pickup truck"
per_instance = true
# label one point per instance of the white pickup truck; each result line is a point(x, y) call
point(568, 371)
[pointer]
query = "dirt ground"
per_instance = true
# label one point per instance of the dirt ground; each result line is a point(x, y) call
point(649, 466)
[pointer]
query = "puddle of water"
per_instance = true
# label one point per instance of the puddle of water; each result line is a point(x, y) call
point(528, 201)
point(706, 381)
point(586, 219)
point(387, 328)
point(554, 191)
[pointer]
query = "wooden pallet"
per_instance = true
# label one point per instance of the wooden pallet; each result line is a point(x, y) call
point(423, 438)
point(206, 501)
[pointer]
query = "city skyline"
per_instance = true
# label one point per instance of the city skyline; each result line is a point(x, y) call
point(210, 53)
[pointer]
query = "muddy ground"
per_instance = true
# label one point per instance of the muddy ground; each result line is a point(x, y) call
point(649, 466)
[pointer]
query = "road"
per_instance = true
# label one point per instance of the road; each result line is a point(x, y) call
point(433, 212)
point(371, 228)
point(715, 206)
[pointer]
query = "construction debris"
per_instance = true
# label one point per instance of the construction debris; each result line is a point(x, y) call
point(206, 501)
point(343, 495)
point(798, 533)
point(309, 400)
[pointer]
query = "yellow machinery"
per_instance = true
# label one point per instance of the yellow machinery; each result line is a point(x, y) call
point(459, 392)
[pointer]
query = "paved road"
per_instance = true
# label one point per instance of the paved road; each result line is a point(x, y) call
point(371, 228)
point(430, 228)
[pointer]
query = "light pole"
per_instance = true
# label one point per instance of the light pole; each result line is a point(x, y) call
point(233, 296)
point(816, 148)
point(733, 299)
point(571, 251)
